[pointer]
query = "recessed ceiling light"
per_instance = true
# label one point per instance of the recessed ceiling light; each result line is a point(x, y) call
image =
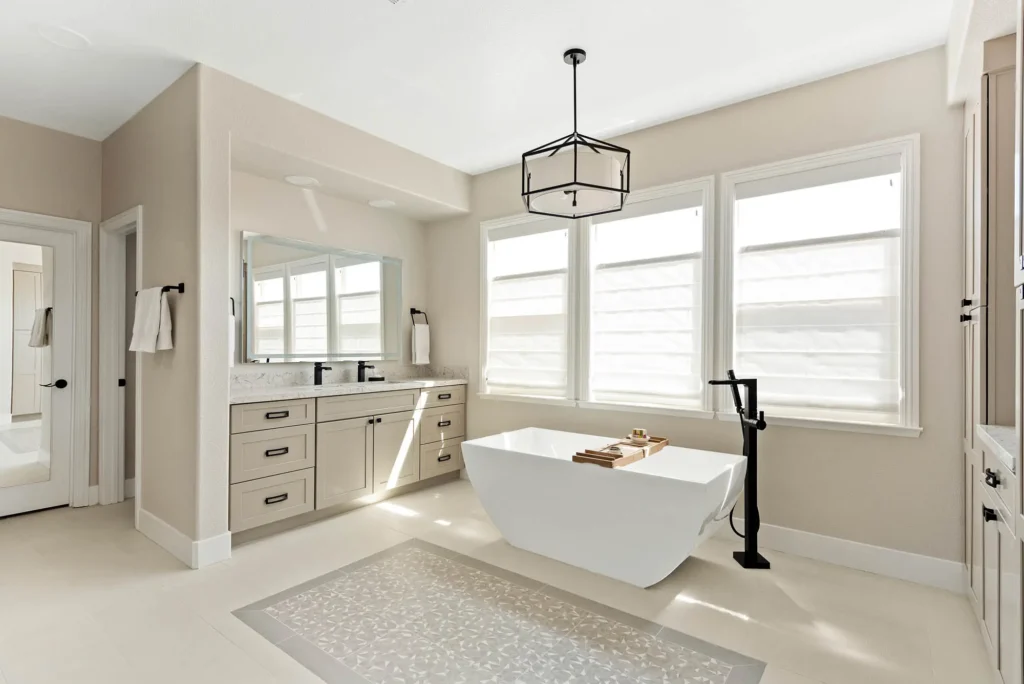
point(383, 204)
point(302, 181)
point(62, 36)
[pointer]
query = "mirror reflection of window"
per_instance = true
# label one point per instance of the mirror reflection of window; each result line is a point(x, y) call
point(268, 300)
point(359, 313)
point(308, 296)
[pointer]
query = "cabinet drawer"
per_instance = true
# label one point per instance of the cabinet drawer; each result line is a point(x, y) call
point(271, 452)
point(270, 499)
point(272, 414)
point(442, 423)
point(999, 480)
point(374, 404)
point(443, 396)
point(440, 458)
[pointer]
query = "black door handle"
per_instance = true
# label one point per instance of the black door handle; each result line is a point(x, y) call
point(270, 453)
point(444, 423)
point(444, 396)
point(274, 415)
point(988, 514)
point(965, 317)
point(991, 478)
point(270, 500)
point(59, 384)
point(442, 459)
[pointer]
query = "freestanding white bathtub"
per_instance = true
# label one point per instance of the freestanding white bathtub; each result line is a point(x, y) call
point(636, 524)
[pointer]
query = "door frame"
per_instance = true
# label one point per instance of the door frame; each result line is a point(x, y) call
point(81, 376)
point(113, 236)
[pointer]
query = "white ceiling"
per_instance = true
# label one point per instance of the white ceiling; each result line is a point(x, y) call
point(470, 83)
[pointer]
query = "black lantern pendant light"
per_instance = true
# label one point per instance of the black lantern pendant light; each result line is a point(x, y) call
point(575, 176)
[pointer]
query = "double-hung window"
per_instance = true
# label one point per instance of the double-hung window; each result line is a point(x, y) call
point(359, 312)
point(822, 298)
point(528, 312)
point(645, 309)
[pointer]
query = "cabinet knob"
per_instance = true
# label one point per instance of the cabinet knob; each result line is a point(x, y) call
point(988, 514)
point(370, 421)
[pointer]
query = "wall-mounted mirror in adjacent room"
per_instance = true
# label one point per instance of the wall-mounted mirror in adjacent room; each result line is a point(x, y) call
point(307, 302)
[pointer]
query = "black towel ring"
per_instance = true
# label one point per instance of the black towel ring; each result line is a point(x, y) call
point(416, 312)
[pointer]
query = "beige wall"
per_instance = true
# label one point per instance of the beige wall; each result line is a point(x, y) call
point(896, 492)
point(274, 208)
point(46, 172)
point(153, 160)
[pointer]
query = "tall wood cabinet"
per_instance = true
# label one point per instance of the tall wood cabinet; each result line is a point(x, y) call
point(990, 319)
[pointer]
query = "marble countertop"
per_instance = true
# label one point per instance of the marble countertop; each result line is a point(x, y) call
point(1002, 442)
point(256, 395)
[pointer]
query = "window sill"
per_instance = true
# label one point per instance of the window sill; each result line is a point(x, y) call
point(835, 425)
point(527, 399)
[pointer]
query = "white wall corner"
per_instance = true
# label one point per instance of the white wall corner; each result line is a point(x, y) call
point(911, 567)
point(129, 488)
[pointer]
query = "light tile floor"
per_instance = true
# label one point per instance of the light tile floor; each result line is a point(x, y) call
point(84, 598)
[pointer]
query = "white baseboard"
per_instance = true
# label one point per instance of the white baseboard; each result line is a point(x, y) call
point(213, 550)
point(129, 488)
point(194, 554)
point(912, 567)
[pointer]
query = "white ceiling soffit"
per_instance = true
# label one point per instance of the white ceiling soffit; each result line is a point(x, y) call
point(274, 165)
point(469, 83)
point(973, 22)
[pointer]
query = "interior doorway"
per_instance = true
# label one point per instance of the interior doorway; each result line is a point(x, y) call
point(44, 376)
point(121, 459)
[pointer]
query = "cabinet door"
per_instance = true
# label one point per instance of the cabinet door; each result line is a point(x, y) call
point(991, 571)
point(1009, 606)
point(972, 251)
point(396, 450)
point(344, 461)
point(1018, 146)
point(977, 525)
point(975, 375)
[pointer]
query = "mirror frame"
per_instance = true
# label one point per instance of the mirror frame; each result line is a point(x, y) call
point(248, 304)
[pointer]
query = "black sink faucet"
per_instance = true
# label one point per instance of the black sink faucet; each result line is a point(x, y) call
point(361, 371)
point(318, 372)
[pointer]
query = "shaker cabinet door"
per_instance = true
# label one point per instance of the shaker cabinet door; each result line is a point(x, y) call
point(344, 461)
point(396, 450)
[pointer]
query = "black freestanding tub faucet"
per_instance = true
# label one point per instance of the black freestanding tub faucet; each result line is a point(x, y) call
point(751, 422)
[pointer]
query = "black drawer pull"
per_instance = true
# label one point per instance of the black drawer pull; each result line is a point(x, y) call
point(270, 453)
point(988, 514)
point(274, 415)
point(271, 500)
point(991, 478)
point(444, 423)
point(442, 459)
point(444, 396)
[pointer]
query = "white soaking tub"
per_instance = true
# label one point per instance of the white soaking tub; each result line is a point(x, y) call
point(635, 524)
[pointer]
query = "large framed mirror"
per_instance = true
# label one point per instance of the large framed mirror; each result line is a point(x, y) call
point(308, 302)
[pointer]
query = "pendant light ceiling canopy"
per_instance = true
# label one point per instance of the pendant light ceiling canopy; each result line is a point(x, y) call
point(575, 176)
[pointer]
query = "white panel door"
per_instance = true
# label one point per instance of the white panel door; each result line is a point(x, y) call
point(35, 453)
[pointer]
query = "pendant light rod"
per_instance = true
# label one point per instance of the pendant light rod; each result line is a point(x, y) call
point(575, 57)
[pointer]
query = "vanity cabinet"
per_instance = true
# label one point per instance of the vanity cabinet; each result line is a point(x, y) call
point(294, 456)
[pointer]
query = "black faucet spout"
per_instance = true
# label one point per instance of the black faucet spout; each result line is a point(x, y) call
point(361, 371)
point(318, 372)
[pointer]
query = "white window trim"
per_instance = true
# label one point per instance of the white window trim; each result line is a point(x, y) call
point(908, 148)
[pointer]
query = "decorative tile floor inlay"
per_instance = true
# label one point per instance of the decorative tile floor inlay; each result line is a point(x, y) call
point(420, 613)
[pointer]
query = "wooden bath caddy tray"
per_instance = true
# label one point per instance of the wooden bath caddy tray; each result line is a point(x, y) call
point(629, 453)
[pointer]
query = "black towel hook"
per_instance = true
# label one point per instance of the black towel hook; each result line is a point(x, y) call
point(416, 312)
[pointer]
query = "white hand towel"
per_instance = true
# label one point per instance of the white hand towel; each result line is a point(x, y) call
point(164, 340)
point(146, 330)
point(420, 344)
point(40, 335)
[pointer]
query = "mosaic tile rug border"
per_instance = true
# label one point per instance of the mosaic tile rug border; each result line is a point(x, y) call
point(745, 670)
